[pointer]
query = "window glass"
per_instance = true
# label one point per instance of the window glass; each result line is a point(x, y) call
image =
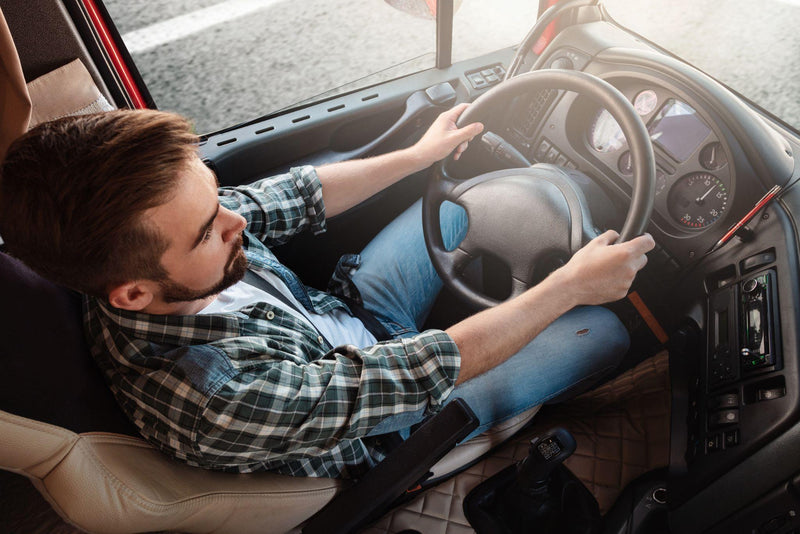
point(753, 47)
point(224, 62)
point(480, 27)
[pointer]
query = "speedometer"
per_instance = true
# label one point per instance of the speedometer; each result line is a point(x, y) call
point(698, 200)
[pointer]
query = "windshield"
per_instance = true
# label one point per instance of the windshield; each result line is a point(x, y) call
point(752, 47)
point(223, 62)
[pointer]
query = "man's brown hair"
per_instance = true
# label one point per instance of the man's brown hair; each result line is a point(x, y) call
point(73, 191)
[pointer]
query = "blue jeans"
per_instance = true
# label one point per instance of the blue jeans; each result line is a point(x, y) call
point(399, 284)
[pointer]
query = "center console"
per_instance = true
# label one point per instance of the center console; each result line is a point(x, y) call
point(736, 384)
point(733, 397)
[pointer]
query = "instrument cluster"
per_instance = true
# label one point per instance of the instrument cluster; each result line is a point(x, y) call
point(693, 178)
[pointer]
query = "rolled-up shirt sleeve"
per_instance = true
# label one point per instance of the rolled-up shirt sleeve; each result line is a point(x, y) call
point(282, 409)
point(278, 207)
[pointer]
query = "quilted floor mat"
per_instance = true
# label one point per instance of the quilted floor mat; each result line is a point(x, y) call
point(622, 430)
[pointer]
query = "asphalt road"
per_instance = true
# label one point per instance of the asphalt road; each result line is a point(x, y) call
point(226, 61)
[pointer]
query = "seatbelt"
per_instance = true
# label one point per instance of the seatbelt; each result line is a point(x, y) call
point(371, 323)
point(360, 312)
point(254, 280)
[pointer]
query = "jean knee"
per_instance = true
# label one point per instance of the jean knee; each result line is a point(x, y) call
point(453, 223)
point(613, 340)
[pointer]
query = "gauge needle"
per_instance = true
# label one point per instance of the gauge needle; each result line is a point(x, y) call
point(702, 199)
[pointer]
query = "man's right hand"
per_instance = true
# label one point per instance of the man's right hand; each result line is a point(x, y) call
point(603, 270)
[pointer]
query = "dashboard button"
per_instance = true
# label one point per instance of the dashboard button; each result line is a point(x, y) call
point(754, 262)
point(765, 394)
point(723, 418)
point(731, 438)
point(542, 149)
point(728, 400)
point(477, 80)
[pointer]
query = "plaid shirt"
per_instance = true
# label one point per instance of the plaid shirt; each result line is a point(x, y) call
point(258, 389)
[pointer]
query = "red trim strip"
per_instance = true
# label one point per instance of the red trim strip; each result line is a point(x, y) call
point(648, 317)
point(547, 34)
point(113, 52)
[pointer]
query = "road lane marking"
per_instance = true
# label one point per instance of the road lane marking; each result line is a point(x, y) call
point(166, 31)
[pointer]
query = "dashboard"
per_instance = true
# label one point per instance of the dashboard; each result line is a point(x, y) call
point(732, 314)
point(695, 183)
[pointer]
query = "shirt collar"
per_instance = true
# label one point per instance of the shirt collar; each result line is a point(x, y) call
point(171, 329)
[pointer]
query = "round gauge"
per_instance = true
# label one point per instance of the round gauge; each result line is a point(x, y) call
point(698, 200)
point(713, 157)
point(605, 134)
point(645, 102)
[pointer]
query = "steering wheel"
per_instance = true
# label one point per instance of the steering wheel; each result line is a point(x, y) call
point(523, 216)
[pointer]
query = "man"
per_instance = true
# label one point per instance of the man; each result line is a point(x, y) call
point(265, 373)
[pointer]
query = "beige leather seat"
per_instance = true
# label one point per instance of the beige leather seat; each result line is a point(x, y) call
point(111, 483)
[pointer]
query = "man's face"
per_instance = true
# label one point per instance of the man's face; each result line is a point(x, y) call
point(205, 254)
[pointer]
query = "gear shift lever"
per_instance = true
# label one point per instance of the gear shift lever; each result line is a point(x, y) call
point(537, 495)
point(544, 455)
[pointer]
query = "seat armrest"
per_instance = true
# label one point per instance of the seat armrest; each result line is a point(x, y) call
point(402, 469)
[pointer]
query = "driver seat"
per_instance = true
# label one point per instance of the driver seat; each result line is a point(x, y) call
point(61, 428)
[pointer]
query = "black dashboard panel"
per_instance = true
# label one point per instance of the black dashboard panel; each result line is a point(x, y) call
point(734, 359)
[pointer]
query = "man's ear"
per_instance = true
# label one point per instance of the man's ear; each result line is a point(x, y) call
point(132, 296)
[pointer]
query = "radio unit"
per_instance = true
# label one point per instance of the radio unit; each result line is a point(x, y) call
point(755, 308)
point(743, 318)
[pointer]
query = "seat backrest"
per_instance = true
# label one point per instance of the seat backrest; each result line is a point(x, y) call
point(46, 371)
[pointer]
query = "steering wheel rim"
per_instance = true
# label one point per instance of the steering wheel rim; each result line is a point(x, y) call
point(448, 264)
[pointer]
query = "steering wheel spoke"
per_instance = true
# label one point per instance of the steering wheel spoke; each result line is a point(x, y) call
point(456, 260)
point(442, 186)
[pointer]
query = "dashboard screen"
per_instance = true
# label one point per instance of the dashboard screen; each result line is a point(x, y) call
point(677, 129)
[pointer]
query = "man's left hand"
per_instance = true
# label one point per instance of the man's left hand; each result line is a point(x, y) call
point(443, 137)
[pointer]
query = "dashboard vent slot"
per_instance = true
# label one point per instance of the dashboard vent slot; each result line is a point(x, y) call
point(537, 105)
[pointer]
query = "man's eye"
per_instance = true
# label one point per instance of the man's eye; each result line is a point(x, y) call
point(207, 235)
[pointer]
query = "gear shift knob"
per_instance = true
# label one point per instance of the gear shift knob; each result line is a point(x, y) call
point(545, 454)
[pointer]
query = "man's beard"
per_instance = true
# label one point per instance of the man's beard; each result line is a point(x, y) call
point(235, 270)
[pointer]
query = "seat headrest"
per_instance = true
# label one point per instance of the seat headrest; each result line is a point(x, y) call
point(46, 371)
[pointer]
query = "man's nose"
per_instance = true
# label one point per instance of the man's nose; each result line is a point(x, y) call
point(234, 224)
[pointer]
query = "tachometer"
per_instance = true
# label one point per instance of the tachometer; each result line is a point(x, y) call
point(605, 134)
point(698, 200)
